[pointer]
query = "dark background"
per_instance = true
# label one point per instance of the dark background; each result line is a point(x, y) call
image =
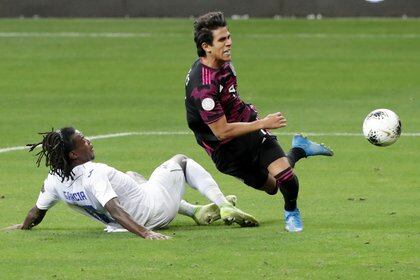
point(186, 8)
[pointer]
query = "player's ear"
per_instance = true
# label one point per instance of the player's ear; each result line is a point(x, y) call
point(206, 47)
point(73, 155)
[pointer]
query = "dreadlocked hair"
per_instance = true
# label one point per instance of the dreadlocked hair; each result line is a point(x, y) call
point(55, 147)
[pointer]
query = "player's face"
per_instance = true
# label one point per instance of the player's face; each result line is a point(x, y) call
point(222, 44)
point(83, 151)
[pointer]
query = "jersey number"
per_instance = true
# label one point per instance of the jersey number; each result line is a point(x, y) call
point(95, 214)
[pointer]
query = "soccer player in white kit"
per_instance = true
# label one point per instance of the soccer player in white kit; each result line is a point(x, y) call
point(125, 201)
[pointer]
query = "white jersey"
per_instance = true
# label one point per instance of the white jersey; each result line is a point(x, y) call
point(94, 184)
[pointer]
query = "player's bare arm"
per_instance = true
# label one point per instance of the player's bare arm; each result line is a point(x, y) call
point(123, 218)
point(224, 130)
point(14, 227)
point(33, 218)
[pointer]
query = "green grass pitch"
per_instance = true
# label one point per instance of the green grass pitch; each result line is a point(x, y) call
point(361, 208)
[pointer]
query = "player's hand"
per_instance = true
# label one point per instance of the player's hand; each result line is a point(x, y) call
point(276, 120)
point(14, 227)
point(156, 236)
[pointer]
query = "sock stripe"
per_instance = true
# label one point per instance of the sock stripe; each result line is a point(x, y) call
point(287, 178)
point(288, 184)
point(284, 175)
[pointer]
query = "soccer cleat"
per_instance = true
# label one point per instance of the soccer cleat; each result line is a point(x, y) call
point(293, 221)
point(231, 214)
point(232, 199)
point(207, 214)
point(311, 148)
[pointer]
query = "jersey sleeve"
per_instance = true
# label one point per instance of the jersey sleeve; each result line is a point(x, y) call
point(102, 190)
point(206, 99)
point(47, 196)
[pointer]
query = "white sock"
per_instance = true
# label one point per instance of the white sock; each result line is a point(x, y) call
point(186, 208)
point(198, 178)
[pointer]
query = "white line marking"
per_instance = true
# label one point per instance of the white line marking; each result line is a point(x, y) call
point(143, 133)
point(171, 133)
point(5, 150)
point(73, 34)
point(249, 35)
point(333, 35)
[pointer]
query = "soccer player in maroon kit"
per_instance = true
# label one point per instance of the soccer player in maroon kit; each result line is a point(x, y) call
point(230, 131)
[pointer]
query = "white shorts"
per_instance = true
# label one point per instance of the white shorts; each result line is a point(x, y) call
point(165, 189)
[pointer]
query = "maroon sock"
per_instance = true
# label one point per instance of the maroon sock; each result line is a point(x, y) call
point(288, 184)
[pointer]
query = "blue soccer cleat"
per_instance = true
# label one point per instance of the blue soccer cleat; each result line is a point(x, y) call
point(311, 148)
point(293, 221)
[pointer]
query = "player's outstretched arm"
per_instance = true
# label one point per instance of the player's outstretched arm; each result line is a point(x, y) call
point(14, 227)
point(33, 218)
point(223, 130)
point(123, 218)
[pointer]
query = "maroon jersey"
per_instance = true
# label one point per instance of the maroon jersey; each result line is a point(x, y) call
point(211, 94)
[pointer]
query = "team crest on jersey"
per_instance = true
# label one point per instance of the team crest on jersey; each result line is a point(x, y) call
point(208, 104)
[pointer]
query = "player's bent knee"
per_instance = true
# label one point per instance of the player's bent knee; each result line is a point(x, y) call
point(179, 157)
point(270, 186)
point(181, 160)
point(278, 166)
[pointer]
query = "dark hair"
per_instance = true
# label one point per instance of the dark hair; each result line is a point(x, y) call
point(56, 146)
point(203, 27)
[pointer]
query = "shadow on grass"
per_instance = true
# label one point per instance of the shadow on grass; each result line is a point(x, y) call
point(82, 232)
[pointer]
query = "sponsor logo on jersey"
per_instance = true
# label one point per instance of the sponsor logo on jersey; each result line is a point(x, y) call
point(208, 104)
point(78, 196)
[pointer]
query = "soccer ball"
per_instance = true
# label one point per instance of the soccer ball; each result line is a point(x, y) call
point(382, 127)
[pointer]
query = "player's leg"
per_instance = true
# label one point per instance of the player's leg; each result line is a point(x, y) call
point(165, 189)
point(288, 184)
point(187, 209)
point(285, 182)
point(302, 147)
point(272, 157)
point(140, 179)
point(171, 177)
point(270, 186)
point(198, 178)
